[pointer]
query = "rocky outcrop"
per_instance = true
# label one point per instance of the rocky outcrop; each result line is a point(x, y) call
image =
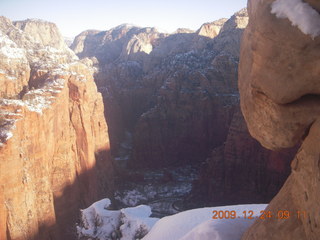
point(212, 29)
point(278, 82)
point(228, 40)
point(108, 46)
point(54, 145)
point(43, 32)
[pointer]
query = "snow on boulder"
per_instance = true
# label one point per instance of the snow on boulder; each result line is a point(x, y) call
point(226, 229)
point(198, 224)
point(136, 222)
point(97, 222)
point(300, 14)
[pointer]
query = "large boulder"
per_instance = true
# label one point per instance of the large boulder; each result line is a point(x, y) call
point(279, 87)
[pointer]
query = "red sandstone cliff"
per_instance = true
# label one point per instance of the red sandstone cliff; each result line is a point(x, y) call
point(54, 149)
point(279, 87)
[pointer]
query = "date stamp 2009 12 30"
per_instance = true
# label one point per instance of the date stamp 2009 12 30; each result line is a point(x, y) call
point(264, 215)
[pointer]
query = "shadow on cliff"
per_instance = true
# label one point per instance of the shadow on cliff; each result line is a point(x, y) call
point(130, 82)
point(91, 185)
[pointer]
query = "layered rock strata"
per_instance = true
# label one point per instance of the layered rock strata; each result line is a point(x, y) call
point(54, 144)
point(279, 83)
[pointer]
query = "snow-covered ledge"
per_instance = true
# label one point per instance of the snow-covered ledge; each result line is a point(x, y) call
point(97, 222)
point(300, 14)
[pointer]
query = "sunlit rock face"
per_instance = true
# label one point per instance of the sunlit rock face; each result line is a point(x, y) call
point(279, 87)
point(42, 32)
point(54, 144)
point(212, 29)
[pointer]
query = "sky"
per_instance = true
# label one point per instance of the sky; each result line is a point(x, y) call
point(75, 16)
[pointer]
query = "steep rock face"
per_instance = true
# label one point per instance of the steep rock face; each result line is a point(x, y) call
point(109, 45)
point(212, 29)
point(192, 114)
point(228, 40)
point(194, 107)
point(43, 32)
point(15, 69)
point(278, 80)
point(54, 145)
point(241, 170)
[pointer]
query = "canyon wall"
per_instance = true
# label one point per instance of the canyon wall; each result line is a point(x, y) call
point(172, 99)
point(54, 144)
point(279, 86)
point(175, 94)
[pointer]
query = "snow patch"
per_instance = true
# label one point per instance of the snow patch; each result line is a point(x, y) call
point(100, 223)
point(226, 229)
point(39, 99)
point(37, 103)
point(11, 78)
point(9, 135)
point(136, 222)
point(7, 126)
point(53, 50)
point(9, 48)
point(8, 102)
point(198, 224)
point(130, 197)
point(301, 14)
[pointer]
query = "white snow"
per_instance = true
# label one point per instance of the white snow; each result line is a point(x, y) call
point(10, 49)
point(6, 130)
point(97, 222)
point(37, 103)
point(136, 222)
point(100, 223)
point(12, 78)
point(231, 229)
point(6, 113)
point(53, 50)
point(9, 135)
point(300, 14)
point(130, 197)
point(14, 102)
point(198, 224)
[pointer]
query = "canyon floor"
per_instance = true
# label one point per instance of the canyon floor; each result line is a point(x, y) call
point(164, 190)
